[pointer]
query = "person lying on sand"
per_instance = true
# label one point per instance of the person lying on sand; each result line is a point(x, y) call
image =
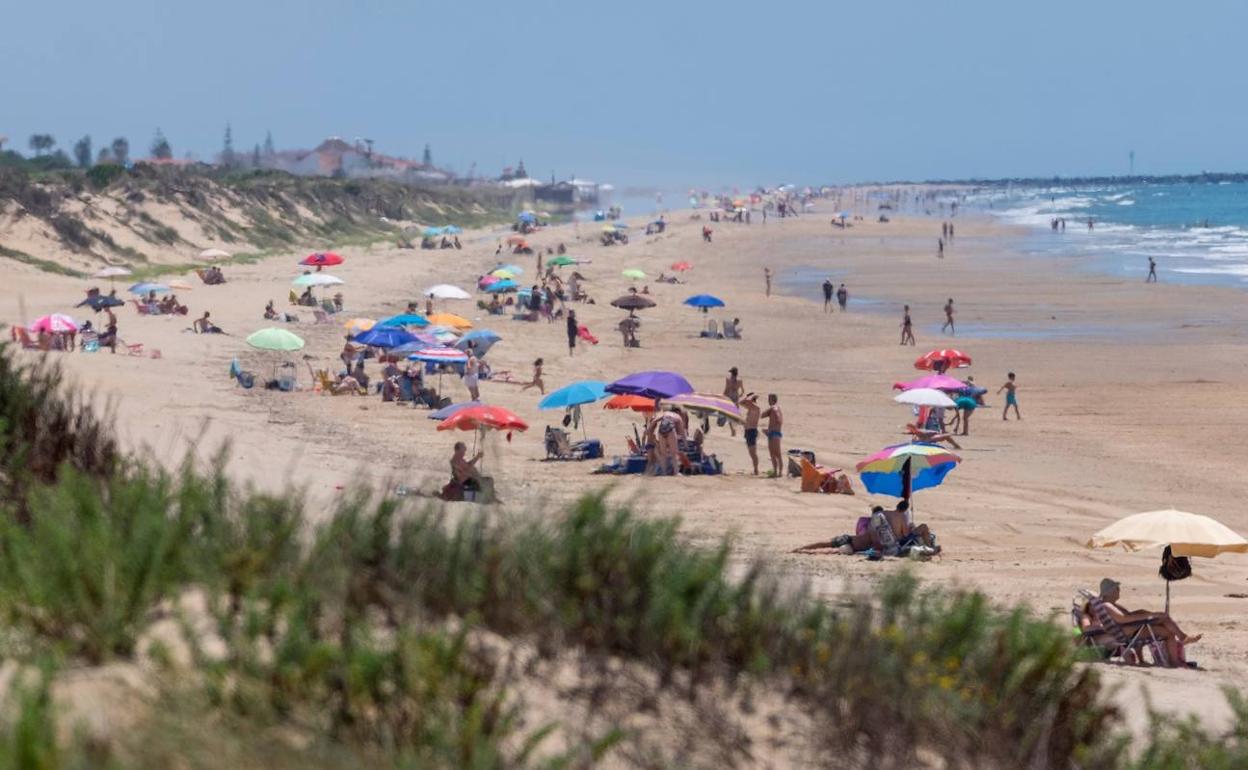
point(905, 535)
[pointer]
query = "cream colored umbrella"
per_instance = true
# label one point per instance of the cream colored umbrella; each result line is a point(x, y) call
point(1187, 534)
point(209, 255)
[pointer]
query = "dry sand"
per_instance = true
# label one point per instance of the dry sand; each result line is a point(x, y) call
point(1129, 395)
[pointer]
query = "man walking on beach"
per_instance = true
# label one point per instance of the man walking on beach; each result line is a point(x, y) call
point(752, 413)
point(1011, 397)
point(775, 432)
point(842, 297)
point(733, 388)
point(827, 295)
point(767, 279)
point(1152, 271)
point(907, 328)
point(948, 318)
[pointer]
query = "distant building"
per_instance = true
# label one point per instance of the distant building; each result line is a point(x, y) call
point(339, 158)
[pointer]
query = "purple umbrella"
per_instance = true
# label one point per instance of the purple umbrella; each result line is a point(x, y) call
point(651, 385)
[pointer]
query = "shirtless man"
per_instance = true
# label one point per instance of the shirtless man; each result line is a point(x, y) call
point(767, 279)
point(827, 295)
point(464, 470)
point(752, 413)
point(907, 327)
point(948, 318)
point(733, 390)
point(775, 432)
point(1011, 397)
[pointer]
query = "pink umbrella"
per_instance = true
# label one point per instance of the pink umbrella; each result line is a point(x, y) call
point(487, 280)
point(56, 323)
point(934, 381)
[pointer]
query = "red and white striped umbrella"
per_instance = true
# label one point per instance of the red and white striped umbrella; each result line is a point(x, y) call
point(953, 359)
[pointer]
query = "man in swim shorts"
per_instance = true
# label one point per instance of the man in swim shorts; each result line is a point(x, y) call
point(775, 427)
point(1011, 397)
point(752, 413)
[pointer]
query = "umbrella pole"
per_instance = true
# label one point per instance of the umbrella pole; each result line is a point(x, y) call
point(905, 490)
point(1167, 597)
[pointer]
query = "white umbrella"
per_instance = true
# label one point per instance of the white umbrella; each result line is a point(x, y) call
point(316, 279)
point(446, 291)
point(111, 272)
point(924, 397)
point(211, 254)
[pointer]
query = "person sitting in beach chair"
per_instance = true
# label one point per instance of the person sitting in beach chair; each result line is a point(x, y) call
point(732, 329)
point(822, 479)
point(465, 477)
point(712, 331)
point(1166, 641)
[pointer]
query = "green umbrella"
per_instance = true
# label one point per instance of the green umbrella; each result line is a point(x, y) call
point(275, 339)
point(635, 274)
point(561, 260)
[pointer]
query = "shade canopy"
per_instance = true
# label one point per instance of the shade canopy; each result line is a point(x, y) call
point(316, 279)
point(439, 355)
point(561, 261)
point(949, 357)
point(321, 259)
point(55, 323)
point(147, 287)
point(924, 397)
point(576, 394)
point(481, 341)
point(633, 273)
point(357, 325)
point(1187, 534)
point(404, 319)
point(904, 468)
point(384, 337)
point(633, 302)
point(502, 285)
point(111, 272)
point(211, 254)
point(707, 403)
point(449, 319)
point(635, 403)
point(935, 381)
point(484, 417)
point(447, 411)
point(273, 338)
point(651, 384)
point(446, 291)
point(704, 301)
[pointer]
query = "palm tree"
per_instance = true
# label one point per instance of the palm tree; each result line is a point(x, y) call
point(41, 143)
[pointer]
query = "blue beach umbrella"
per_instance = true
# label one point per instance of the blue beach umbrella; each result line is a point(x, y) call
point(482, 340)
point(704, 301)
point(505, 285)
point(404, 319)
point(576, 394)
point(384, 337)
point(452, 230)
point(147, 288)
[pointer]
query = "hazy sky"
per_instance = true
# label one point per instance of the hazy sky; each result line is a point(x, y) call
point(671, 93)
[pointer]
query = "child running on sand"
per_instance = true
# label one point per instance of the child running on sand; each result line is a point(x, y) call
point(1011, 397)
point(537, 378)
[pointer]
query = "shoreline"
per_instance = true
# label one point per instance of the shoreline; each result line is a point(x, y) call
point(1109, 428)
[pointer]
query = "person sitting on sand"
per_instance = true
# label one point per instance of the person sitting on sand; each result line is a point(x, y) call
point(346, 384)
point(495, 307)
point(270, 312)
point(1105, 606)
point(306, 299)
point(464, 472)
point(204, 325)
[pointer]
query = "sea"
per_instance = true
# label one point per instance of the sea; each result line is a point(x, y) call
point(1197, 232)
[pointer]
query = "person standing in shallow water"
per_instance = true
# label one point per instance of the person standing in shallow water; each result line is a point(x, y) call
point(827, 295)
point(1152, 271)
point(842, 297)
point(907, 327)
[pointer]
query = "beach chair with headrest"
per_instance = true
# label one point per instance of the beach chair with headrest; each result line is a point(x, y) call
point(1126, 642)
point(819, 478)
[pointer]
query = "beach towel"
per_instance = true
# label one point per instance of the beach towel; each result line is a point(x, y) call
point(582, 331)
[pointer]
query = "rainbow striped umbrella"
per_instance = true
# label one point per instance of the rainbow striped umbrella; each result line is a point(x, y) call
point(438, 355)
point(905, 468)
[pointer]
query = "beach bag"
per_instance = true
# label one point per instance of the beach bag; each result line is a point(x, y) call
point(884, 533)
point(1174, 567)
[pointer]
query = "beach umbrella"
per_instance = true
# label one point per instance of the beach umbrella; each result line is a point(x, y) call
point(431, 232)
point(561, 260)
point(527, 216)
point(99, 302)
point(924, 397)
point(209, 255)
point(404, 319)
point(55, 323)
point(321, 259)
point(357, 325)
point(652, 384)
point(384, 337)
point(516, 240)
point(635, 403)
point(487, 280)
point(704, 301)
point(483, 417)
point(449, 319)
point(952, 359)
point(447, 411)
point(1187, 534)
point(273, 338)
point(681, 267)
point(632, 302)
point(446, 291)
point(482, 340)
point(147, 287)
point(502, 272)
point(576, 394)
point(113, 271)
point(441, 335)
point(515, 270)
point(621, 225)
point(502, 286)
point(180, 285)
point(452, 230)
point(439, 355)
point(935, 381)
point(634, 274)
point(316, 279)
point(707, 403)
point(902, 469)
point(608, 228)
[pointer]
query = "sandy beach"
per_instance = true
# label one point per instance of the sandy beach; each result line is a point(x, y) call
point(1129, 394)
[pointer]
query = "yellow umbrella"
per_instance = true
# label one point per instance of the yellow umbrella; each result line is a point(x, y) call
point(357, 325)
point(501, 273)
point(1187, 534)
point(449, 319)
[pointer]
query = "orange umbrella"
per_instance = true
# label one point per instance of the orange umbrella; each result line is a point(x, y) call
point(449, 319)
point(951, 358)
point(628, 401)
point(482, 418)
point(681, 267)
point(516, 240)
